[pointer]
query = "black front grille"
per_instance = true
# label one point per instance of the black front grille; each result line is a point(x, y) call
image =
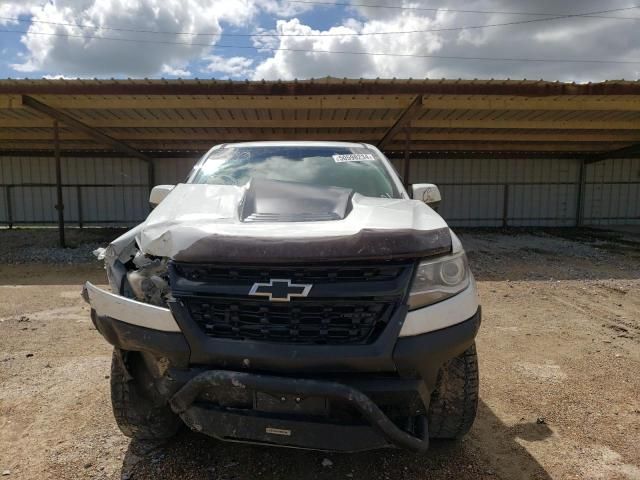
point(327, 322)
point(348, 303)
point(297, 274)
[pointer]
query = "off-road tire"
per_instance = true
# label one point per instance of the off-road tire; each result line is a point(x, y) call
point(454, 401)
point(139, 410)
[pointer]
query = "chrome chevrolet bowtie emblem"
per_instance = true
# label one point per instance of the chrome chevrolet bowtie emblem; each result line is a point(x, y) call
point(280, 289)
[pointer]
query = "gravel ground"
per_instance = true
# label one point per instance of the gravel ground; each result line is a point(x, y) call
point(559, 357)
point(27, 245)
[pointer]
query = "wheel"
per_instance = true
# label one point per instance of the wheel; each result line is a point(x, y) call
point(454, 401)
point(139, 410)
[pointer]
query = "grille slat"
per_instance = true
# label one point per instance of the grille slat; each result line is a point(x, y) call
point(302, 322)
point(317, 274)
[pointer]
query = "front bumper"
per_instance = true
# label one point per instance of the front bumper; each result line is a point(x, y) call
point(378, 431)
point(218, 386)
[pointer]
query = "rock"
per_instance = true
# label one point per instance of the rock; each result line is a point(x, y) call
point(29, 355)
point(6, 472)
point(541, 421)
point(327, 463)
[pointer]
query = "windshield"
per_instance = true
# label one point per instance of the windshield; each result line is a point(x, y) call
point(357, 168)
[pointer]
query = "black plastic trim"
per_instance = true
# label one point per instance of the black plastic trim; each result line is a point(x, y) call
point(140, 339)
point(423, 355)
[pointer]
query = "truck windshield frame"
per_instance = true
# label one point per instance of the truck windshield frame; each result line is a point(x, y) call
point(358, 168)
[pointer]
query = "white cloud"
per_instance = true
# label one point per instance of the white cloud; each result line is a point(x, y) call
point(10, 10)
point(304, 56)
point(79, 54)
point(232, 67)
point(60, 77)
point(292, 63)
point(571, 38)
point(174, 72)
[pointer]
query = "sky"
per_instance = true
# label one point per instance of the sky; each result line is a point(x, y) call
point(286, 39)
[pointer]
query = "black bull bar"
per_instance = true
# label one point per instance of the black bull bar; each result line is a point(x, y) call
point(229, 424)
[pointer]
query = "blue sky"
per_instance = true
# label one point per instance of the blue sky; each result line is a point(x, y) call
point(55, 46)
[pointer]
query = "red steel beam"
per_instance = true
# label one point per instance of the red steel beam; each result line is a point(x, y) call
point(314, 87)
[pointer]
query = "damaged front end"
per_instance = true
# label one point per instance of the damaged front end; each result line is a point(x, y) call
point(135, 315)
point(251, 332)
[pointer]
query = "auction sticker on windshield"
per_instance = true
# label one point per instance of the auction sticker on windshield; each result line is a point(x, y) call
point(354, 157)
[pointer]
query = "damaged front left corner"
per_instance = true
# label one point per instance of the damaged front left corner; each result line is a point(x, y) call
point(132, 273)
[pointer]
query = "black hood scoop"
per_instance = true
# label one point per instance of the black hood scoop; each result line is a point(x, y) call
point(276, 201)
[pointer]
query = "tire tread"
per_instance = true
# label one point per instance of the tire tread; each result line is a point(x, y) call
point(137, 415)
point(454, 402)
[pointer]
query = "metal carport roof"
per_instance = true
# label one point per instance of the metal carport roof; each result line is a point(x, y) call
point(431, 118)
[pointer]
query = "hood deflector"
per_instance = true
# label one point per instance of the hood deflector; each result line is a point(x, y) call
point(365, 245)
point(277, 201)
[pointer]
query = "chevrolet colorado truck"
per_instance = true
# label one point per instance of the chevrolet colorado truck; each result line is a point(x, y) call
point(292, 294)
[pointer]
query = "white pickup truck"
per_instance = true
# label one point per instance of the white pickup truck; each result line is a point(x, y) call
point(293, 294)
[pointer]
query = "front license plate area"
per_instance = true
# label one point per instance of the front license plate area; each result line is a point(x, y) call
point(284, 403)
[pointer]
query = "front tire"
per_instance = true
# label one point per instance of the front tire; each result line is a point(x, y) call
point(454, 402)
point(139, 410)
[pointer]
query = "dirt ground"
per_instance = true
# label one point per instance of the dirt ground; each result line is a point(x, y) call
point(559, 353)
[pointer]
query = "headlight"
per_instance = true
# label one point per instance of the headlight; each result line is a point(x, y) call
point(438, 279)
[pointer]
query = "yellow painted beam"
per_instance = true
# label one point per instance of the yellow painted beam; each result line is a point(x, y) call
point(10, 101)
point(301, 134)
point(530, 124)
point(416, 146)
point(337, 123)
point(227, 102)
point(435, 102)
point(531, 136)
point(212, 123)
point(512, 146)
point(626, 103)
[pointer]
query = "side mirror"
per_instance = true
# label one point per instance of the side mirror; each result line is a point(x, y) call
point(158, 193)
point(427, 193)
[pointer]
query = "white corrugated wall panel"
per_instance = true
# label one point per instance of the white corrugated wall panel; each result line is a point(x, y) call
point(170, 171)
point(612, 192)
point(125, 202)
point(113, 190)
point(541, 191)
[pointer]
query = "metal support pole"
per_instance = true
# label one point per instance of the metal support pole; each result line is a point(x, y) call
point(79, 202)
point(582, 176)
point(406, 164)
point(505, 206)
point(60, 202)
point(151, 174)
point(9, 206)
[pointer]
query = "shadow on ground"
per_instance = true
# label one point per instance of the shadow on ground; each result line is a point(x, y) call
point(491, 450)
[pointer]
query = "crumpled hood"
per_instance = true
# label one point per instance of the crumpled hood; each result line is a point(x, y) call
point(198, 222)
